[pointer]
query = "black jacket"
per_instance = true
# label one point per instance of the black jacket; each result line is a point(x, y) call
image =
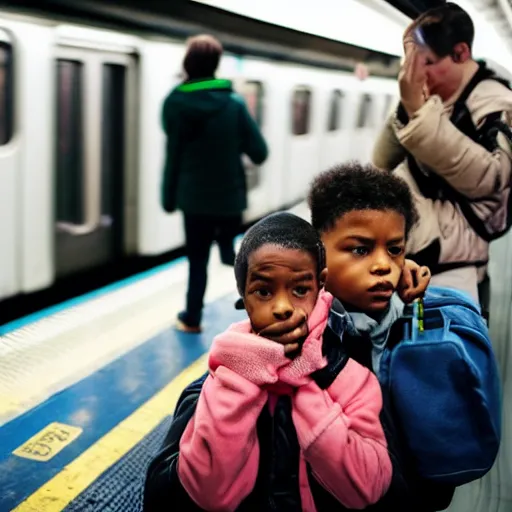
point(208, 129)
point(277, 485)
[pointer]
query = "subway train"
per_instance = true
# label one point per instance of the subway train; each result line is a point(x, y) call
point(82, 148)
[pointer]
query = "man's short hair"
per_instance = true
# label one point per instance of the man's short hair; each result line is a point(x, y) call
point(442, 28)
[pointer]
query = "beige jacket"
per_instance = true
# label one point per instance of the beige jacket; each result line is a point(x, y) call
point(481, 176)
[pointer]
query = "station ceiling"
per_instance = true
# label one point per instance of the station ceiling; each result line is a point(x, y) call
point(184, 8)
point(413, 8)
point(239, 34)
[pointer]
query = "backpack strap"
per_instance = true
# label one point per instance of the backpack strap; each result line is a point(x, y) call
point(337, 356)
point(461, 116)
point(483, 73)
point(433, 186)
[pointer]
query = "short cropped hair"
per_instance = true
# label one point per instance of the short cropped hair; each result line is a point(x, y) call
point(282, 229)
point(444, 27)
point(202, 57)
point(354, 187)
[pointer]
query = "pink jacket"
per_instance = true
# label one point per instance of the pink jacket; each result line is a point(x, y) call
point(338, 429)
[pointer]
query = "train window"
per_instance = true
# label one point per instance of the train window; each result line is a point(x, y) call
point(70, 142)
point(252, 174)
point(6, 93)
point(113, 141)
point(253, 93)
point(387, 106)
point(301, 107)
point(365, 111)
point(334, 122)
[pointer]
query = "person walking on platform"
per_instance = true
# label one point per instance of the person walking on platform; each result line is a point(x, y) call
point(448, 141)
point(208, 128)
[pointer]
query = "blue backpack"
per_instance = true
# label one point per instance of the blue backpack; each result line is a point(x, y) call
point(444, 386)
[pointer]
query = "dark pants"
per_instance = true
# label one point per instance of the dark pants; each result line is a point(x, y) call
point(484, 294)
point(200, 232)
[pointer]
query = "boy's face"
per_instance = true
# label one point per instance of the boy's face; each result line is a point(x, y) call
point(365, 256)
point(279, 281)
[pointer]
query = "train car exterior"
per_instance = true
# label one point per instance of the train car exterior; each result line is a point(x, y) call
point(81, 145)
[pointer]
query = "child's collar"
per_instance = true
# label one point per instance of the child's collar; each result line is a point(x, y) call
point(356, 323)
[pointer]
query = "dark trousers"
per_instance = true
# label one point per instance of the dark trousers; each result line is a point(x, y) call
point(484, 294)
point(200, 232)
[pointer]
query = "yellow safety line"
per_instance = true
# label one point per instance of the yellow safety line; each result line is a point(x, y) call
point(64, 487)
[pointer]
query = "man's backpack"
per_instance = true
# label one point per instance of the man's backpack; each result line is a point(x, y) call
point(444, 387)
point(433, 186)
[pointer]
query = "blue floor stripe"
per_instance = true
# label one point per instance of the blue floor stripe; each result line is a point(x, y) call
point(101, 401)
point(76, 301)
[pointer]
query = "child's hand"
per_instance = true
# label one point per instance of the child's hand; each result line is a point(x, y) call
point(413, 282)
point(291, 333)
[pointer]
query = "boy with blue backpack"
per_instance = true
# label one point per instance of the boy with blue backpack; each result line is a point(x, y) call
point(440, 390)
point(434, 360)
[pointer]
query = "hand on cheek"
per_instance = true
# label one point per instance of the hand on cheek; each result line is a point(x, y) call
point(413, 281)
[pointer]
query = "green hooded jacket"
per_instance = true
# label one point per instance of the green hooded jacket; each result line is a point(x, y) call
point(208, 128)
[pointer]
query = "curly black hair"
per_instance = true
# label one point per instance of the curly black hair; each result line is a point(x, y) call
point(354, 186)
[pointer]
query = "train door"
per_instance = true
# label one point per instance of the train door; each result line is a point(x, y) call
point(95, 138)
point(365, 128)
point(253, 92)
point(303, 144)
point(246, 76)
point(263, 89)
point(9, 167)
point(336, 138)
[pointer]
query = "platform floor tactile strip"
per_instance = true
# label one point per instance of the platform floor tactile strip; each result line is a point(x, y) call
point(120, 488)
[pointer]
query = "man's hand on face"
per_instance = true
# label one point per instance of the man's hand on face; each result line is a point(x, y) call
point(412, 78)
